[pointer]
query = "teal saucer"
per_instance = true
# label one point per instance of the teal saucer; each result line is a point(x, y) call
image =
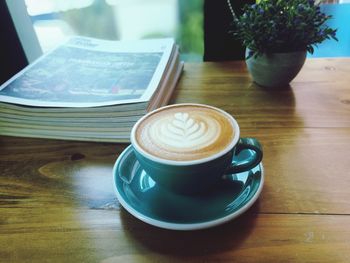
point(144, 199)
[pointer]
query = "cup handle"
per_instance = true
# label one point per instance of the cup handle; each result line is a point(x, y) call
point(246, 144)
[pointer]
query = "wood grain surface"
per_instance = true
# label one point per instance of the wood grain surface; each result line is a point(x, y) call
point(57, 202)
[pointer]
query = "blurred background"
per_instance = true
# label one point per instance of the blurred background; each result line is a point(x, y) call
point(55, 20)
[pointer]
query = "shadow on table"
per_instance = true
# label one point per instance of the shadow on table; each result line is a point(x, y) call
point(183, 244)
point(281, 96)
point(271, 107)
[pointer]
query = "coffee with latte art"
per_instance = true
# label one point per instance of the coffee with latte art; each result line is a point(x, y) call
point(185, 132)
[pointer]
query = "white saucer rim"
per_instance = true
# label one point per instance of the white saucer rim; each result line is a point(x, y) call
point(179, 226)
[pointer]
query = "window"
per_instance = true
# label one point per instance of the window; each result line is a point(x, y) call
point(55, 20)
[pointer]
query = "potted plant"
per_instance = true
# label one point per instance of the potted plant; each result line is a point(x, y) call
point(277, 35)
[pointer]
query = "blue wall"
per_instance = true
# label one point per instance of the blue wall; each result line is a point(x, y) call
point(341, 21)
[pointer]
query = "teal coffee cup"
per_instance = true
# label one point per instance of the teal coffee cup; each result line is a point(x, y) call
point(188, 148)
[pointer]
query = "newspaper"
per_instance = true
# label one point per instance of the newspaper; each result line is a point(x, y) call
point(87, 72)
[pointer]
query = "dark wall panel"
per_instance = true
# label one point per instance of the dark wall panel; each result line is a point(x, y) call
point(12, 57)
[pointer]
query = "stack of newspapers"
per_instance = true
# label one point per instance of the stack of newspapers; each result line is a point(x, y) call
point(90, 89)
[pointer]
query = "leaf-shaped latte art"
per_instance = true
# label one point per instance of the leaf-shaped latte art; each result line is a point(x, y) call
point(185, 127)
point(182, 131)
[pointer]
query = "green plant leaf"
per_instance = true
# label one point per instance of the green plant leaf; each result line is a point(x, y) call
point(282, 26)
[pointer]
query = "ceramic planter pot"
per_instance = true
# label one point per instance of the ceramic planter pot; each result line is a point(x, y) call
point(275, 69)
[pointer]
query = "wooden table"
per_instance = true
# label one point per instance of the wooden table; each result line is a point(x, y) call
point(57, 202)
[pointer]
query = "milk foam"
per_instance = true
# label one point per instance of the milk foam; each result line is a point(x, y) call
point(187, 132)
point(183, 132)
